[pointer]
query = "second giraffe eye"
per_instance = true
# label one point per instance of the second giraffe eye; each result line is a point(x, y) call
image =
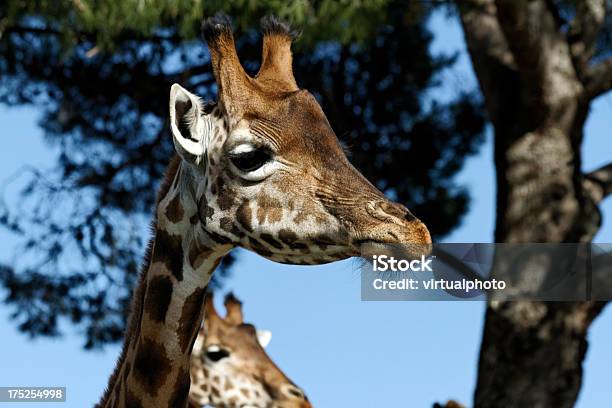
point(216, 353)
point(250, 160)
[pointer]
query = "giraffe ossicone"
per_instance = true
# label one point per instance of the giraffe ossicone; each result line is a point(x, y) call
point(231, 369)
point(262, 169)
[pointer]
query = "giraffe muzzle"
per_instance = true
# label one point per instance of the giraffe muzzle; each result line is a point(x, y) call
point(393, 227)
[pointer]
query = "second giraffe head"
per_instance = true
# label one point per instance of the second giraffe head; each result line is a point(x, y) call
point(231, 369)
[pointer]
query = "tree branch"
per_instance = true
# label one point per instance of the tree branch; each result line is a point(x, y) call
point(598, 183)
point(492, 60)
point(540, 50)
point(598, 79)
point(584, 29)
point(479, 18)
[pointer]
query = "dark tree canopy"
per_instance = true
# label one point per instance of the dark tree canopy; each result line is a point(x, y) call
point(101, 80)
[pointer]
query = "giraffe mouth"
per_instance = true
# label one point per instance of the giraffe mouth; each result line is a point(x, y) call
point(366, 248)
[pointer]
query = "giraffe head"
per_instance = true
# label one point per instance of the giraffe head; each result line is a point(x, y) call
point(265, 167)
point(231, 369)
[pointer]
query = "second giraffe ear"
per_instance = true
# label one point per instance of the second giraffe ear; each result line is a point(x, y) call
point(190, 128)
point(264, 337)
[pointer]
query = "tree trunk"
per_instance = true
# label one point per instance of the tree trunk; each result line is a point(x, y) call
point(534, 90)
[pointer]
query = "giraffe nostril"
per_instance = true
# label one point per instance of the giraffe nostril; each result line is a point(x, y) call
point(296, 392)
point(402, 212)
point(396, 210)
point(408, 216)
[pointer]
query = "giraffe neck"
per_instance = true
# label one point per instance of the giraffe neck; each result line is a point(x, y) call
point(153, 370)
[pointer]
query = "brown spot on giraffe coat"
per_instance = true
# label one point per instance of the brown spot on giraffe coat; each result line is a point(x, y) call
point(290, 239)
point(227, 224)
point(243, 216)
point(287, 236)
point(268, 209)
point(174, 210)
point(205, 212)
point(269, 239)
point(157, 298)
point(169, 251)
point(190, 316)
point(132, 401)
point(198, 254)
point(259, 247)
point(225, 196)
point(181, 390)
point(218, 238)
point(151, 366)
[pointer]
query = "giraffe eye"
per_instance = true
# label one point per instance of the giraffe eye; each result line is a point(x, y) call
point(216, 353)
point(250, 160)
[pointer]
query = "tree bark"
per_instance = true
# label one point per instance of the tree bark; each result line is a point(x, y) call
point(533, 79)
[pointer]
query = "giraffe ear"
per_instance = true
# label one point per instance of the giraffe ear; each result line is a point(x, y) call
point(264, 337)
point(188, 125)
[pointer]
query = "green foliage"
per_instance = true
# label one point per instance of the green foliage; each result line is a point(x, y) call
point(111, 20)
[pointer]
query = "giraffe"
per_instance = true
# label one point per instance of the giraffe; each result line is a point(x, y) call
point(230, 368)
point(261, 169)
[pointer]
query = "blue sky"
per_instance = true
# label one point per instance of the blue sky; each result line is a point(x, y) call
point(342, 351)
